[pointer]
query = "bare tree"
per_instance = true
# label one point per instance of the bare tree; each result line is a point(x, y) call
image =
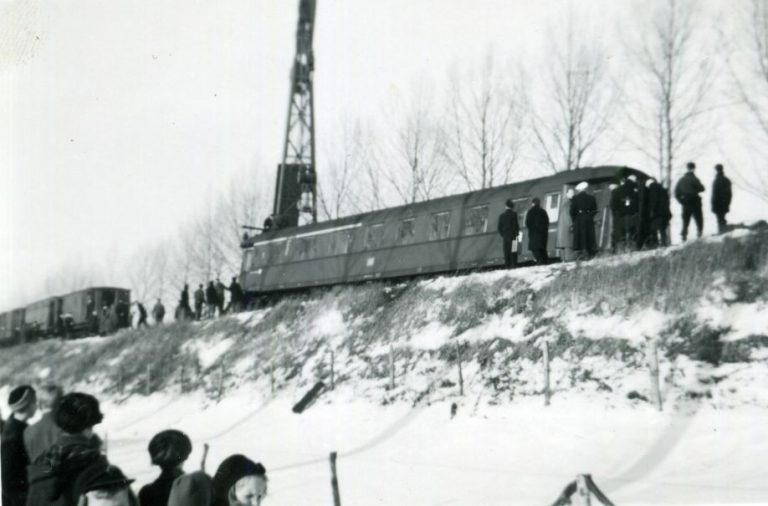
point(675, 77)
point(416, 149)
point(574, 113)
point(69, 278)
point(747, 63)
point(484, 125)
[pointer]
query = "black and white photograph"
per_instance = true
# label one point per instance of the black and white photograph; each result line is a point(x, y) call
point(383, 252)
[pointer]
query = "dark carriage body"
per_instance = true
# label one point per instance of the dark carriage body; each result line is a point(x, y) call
point(11, 326)
point(441, 235)
point(96, 309)
point(41, 318)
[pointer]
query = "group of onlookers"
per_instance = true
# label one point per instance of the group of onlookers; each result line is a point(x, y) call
point(208, 301)
point(59, 461)
point(634, 216)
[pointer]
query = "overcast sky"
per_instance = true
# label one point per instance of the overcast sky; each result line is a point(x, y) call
point(119, 119)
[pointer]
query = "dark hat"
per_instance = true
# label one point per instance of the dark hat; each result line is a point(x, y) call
point(690, 165)
point(536, 201)
point(21, 398)
point(77, 412)
point(510, 203)
point(100, 476)
point(169, 448)
point(719, 167)
point(230, 471)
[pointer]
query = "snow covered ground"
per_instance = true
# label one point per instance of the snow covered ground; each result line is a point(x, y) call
point(521, 453)
point(400, 446)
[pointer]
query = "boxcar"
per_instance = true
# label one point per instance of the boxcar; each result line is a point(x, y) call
point(11, 326)
point(41, 318)
point(96, 309)
point(442, 235)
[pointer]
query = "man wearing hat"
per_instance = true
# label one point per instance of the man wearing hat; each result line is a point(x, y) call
point(13, 457)
point(687, 193)
point(537, 223)
point(169, 450)
point(42, 435)
point(509, 228)
point(721, 198)
point(53, 473)
point(583, 210)
point(658, 213)
point(102, 484)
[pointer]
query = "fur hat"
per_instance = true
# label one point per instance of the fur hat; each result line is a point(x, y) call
point(169, 448)
point(21, 398)
point(690, 166)
point(582, 186)
point(76, 412)
point(229, 472)
point(193, 489)
point(510, 203)
point(719, 167)
point(100, 476)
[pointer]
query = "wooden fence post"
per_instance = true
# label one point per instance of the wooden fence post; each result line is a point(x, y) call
point(335, 481)
point(120, 379)
point(272, 376)
point(546, 373)
point(461, 375)
point(653, 370)
point(181, 377)
point(149, 379)
point(333, 380)
point(391, 367)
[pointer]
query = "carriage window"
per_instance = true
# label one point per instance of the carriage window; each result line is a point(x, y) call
point(552, 206)
point(406, 233)
point(306, 248)
point(341, 242)
point(374, 235)
point(476, 220)
point(441, 226)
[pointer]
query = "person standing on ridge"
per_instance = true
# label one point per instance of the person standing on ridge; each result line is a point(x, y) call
point(583, 211)
point(658, 213)
point(687, 193)
point(721, 198)
point(537, 223)
point(509, 228)
point(199, 301)
point(158, 312)
point(142, 315)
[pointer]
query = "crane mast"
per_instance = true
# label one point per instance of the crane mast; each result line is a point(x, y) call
point(296, 190)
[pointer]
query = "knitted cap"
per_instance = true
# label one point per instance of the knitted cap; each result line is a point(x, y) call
point(232, 469)
point(21, 398)
point(76, 412)
point(169, 448)
point(193, 489)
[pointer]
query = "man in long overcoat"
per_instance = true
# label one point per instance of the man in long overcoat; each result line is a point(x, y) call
point(211, 299)
point(583, 211)
point(537, 223)
point(687, 193)
point(509, 228)
point(658, 213)
point(721, 198)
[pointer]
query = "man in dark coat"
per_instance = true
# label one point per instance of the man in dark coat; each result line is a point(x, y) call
point(43, 434)
point(211, 299)
point(53, 474)
point(220, 289)
point(13, 455)
point(509, 228)
point(617, 221)
point(169, 450)
point(721, 198)
point(199, 301)
point(537, 223)
point(625, 204)
point(583, 211)
point(687, 193)
point(158, 312)
point(269, 223)
point(658, 213)
point(185, 300)
point(142, 315)
point(235, 296)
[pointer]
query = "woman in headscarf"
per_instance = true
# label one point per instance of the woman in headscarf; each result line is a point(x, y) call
point(239, 481)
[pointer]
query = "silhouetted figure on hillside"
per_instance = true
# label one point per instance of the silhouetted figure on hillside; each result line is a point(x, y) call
point(236, 296)
point(509, 229)
point(721, 198)
point(211, 299)
point(687, 193)
point(142, 315)
point(158, 312)
point(185, 298)
point(220, 296)
point(583, 211)
point(537, 223)
point(657, 198)
point(199, 301)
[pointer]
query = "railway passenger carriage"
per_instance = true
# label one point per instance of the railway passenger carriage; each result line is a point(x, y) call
point(442, 235)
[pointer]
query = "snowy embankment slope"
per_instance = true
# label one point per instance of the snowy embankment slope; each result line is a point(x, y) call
point(704, 304)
